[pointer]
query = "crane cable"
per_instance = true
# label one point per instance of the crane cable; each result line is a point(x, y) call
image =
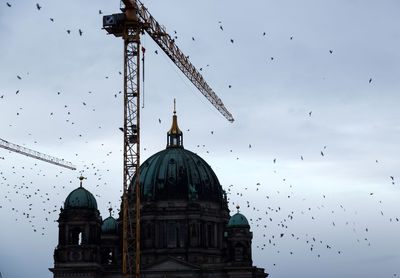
point(143, 50)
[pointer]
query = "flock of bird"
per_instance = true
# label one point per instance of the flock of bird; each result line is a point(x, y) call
point(272, 224)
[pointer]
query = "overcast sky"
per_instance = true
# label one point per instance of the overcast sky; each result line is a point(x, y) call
point(338, 60)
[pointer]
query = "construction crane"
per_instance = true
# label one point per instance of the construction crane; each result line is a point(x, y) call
point(134, 20)
point(35, 154)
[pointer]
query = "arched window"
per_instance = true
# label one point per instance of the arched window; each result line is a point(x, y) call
point(76, 237)
point(193, 230)
point(148, 231)
point(110, 257)
point(210, 236)
point(171, 235)
point(239, 252)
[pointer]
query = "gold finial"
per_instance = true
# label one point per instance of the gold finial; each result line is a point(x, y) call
point(174, 128)
point(110, 210)
point(81, 178)
point(237, 207)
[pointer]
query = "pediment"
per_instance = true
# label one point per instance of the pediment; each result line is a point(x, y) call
point(171, 264)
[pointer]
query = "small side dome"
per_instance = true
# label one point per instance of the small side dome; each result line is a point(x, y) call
point(238, 220)
point(109, 226)
point(80, 198)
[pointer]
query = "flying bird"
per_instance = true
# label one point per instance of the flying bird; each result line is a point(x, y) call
point(232, 41)
point(330, 51)
point(100, 12)
point(51, 19)
point(38, 6)
point(309, 113)
point(69, 31)
point(8, 4)
point(80, 32)
point(370, 80)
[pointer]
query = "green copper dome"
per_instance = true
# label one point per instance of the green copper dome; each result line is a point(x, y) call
point(80, 198)
point(238, 220)
point(109, 226)
point(176, 173)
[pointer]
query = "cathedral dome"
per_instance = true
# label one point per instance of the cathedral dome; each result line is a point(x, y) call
point(109, 225)
point(176, 173)
point(80, 198)
point(238, 220)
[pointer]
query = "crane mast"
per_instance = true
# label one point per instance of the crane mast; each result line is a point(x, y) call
point(35, 154)
point(130, 24)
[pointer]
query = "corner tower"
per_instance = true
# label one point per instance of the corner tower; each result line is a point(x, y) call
point(78, 250)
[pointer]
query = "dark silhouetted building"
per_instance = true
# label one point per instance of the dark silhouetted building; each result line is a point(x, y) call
point(186, 227)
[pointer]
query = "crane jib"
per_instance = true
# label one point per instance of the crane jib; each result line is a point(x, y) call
point(114, 24)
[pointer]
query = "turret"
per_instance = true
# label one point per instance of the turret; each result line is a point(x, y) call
point(174, 135)
point(239, 240)
point(79, 224)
